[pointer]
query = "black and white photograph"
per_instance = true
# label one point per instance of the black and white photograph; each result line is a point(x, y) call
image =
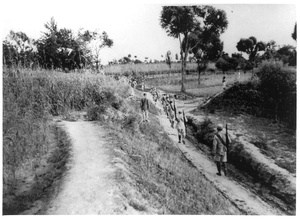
point(148, 107)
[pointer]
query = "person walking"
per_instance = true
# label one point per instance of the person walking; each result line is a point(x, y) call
point(181, 127)
point(224, 83)
point(171, 113)
point(220, 149)
point(145, 108)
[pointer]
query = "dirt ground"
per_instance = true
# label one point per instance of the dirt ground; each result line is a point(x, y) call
point(89, 186)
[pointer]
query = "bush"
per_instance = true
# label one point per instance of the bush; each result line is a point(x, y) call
point(205, 132)
point(278, 84)
point(95, 112)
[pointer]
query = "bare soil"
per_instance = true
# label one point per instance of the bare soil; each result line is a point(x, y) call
point(90, 186)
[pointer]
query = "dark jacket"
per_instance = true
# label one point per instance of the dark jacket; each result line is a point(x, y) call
point(144, 104)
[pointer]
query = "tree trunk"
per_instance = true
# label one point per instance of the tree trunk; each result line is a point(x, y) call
point(183, 69)
point(199, 72)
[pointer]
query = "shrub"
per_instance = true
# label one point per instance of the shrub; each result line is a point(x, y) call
point(278, 84)
point(130, 123)
point(95, 112)
point(205, 132)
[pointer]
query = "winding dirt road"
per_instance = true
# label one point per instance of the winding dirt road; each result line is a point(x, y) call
point(89, 186)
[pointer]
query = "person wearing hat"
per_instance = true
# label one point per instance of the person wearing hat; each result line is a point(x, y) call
point(220, 149)
point(145, 108)
point(180, 127)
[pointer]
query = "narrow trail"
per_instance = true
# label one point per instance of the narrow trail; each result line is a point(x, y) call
point(240, 196)
point(89, 186)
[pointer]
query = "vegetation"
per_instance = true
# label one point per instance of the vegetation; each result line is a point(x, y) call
point(30, 99)
point(206, 46)
point(56, 49)
point(272, 96)
point(183, 20)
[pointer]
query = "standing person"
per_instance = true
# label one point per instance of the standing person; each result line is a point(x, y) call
point(180, 127)
point(224, 83)
point(145, 108)
point(220, 149)
point(171, 113)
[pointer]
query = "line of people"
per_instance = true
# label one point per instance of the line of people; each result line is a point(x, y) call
point(175, 116)
point(178, 120)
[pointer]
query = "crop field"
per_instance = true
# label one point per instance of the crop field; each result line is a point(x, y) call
point(211, 83)
point(149, 70)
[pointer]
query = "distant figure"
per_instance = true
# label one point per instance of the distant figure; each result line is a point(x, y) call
point(180, 127)
point(145, 108)
point(224, 83)
point(132, 93)
point(134, 83)
point(220, 149)
point(171, 113)
point(143, 86)
point(154, 93)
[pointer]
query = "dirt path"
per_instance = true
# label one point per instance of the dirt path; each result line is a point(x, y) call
point(242, 197)
point(89, 186)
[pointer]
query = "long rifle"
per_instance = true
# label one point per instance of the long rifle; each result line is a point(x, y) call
point(184, 121)
point(227, 139)
point(175, 110)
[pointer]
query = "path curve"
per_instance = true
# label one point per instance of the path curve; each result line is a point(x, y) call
point(89, 186)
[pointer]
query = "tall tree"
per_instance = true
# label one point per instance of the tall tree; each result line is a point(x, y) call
point(206, 46)
point(251, 47)
point(99, 41)
point(19, 49)
point(180, 21)
point(294, 34)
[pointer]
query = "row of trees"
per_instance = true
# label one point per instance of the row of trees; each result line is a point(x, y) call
point(56, 48)
point(198, 29)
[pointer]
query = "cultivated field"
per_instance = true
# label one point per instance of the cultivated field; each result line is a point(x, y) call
point(211, 83)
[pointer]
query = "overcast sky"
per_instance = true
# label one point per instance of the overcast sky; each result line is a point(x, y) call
point(135, 28)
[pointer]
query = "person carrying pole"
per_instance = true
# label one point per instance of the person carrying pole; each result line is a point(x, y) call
point(221, 143)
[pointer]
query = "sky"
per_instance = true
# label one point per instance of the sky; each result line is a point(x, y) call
point(135, 28)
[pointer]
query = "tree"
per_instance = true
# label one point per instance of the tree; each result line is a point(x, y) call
point(226, 63)
point(270, 51)
point(206, 46)
point(19, 49)
point(60, 48)
point(99, 41)
point(287, 55)
point(294, 34)
point(180, 21)
point(251, 47)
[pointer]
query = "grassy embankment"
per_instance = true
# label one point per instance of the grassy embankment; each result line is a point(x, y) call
point(35, 150)
point(161, 174)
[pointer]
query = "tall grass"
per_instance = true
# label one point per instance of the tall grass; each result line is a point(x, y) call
point(32, 98)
